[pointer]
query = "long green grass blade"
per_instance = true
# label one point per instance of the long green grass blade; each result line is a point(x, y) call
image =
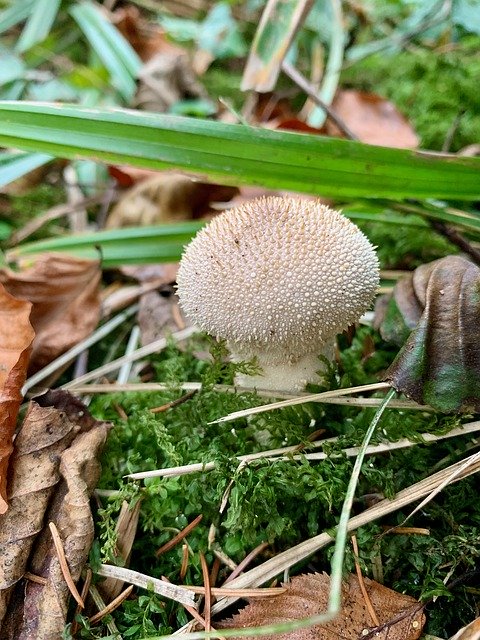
point(235, 154)
point(135, 245)
point(111, 47)
point(14, 165)
point(38, 24)
point(16, 12)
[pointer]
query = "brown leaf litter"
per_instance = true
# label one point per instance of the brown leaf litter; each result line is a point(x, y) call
point(401, 617)
point(16, 336)
point(65, 294)
point(53, 473)
point(372, 119)
point(166, 197)
point(439, 363)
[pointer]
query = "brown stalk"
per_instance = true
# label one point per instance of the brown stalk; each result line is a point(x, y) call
point(112, 606)
point(361, 582)
point(184, 567)
point(34, 578)
point(174, 403)
point(57, 541)
point(191, 610)
point(83, 595)
point(409, 531)
point(179, 537)
point(207, 610)
point(246, 561)
point(263, 592)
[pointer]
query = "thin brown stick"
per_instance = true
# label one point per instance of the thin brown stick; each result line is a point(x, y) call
point(264, 592)
point(34, 578)
point(174, 403)
point(120, 410)
point(305, 86)
point(361, 582)
point(179, 537)
point(207, 610)
point(214, 571)
point(112, 606)
point(86, 586)
point(184, 567)
point(193, 612)
point(409, 531)
point(246, 561)
point(57, 541)
point(457, 239)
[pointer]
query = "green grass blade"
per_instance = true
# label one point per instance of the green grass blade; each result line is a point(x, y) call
point(18, 11)
point(38, 24)
point(134, 245)
point(111, 47)
point(14, 165)
point(235, 154)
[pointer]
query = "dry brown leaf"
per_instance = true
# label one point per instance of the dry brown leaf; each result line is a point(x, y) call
point(45, 462)
point(307, 595)
point(166, 197)
point(64, 292)
point(16, 337)
point(470, 632)
point(166, 79)
point(439, 363)
point(146, 38)
point(372, 119)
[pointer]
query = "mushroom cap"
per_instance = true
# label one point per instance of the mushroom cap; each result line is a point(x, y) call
point(279, 275)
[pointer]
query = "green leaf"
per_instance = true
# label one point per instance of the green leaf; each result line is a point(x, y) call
point(134, 245)
point(38, 24)
point(15, 165)
point(114, 51)
point(235, 154)
point(19, 11)
point(11, 67)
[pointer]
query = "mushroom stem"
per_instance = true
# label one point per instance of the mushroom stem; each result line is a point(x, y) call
point(288, 374)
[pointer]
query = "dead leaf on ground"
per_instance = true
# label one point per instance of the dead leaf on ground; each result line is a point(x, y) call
point(372, 119)
point(16, 337)
point(166, 197)
point(145, 37)
point(439, 363)
point(54, 466)
point(470, 632)
point(64, 292)
point(307, 595)
point(166, 79)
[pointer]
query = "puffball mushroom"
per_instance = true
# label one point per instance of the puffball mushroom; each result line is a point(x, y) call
point(278, 278)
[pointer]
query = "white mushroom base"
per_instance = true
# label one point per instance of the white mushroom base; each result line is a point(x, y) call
point(285, 375)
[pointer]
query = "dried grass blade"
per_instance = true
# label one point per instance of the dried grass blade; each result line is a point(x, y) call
point(57, 541)
point(112, 606)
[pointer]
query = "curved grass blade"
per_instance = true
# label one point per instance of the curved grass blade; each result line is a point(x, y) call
point(133, 245)
point(38, 25)
point(14, 165)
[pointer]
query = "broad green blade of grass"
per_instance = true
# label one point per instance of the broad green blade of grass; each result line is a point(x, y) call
point(17, 11)
point(111, 47)
point(236, 154)
point(134, 245)
point(38, 25)
point(14, 165)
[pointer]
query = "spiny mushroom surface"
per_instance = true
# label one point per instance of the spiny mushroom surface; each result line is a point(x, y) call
point(278, 278)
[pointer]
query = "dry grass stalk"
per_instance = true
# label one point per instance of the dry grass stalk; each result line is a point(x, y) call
point(286, 451)
point(207, 610)
point(34, 578)
point(174, 403)
point(361, 582)
point(57, 541)
point(161, 587)
point(112, 606)
point(179, 537)
point(246, 561)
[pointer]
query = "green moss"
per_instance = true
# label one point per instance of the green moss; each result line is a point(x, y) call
point(281, 502)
